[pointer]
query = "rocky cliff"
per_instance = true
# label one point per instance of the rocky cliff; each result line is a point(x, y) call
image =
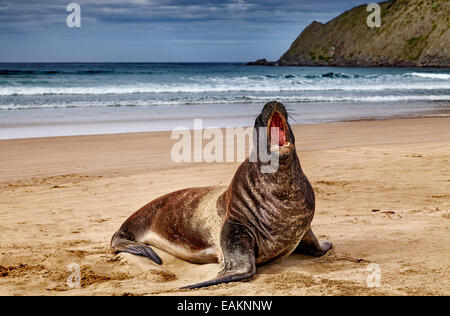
point(412, 33)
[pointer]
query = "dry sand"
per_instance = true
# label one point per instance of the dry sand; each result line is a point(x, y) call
point(382, 192)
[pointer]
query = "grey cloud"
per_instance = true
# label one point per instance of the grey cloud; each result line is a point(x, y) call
point(152, 29)
point(173, 11)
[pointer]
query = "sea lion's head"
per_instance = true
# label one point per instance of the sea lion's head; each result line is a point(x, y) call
point(274, 118)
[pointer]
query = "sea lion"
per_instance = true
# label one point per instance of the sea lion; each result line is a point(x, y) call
point(259, 218)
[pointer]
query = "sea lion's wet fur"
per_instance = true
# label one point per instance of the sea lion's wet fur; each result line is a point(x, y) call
point(259, 218)
point(275, 208)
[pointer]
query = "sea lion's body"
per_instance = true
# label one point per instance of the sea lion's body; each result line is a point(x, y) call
point(184, 223)
point(259, 218)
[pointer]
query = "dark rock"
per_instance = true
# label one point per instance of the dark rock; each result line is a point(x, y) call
point(262, 62)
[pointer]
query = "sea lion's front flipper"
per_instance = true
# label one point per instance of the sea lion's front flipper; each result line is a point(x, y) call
point(310, 246)
point(238, 249)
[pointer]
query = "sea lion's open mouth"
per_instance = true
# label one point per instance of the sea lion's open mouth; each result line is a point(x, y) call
point(278, 123)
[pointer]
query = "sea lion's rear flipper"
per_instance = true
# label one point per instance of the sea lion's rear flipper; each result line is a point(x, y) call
point(122, 243)
point(238, 249)
point(310, 246)
point(232, 276)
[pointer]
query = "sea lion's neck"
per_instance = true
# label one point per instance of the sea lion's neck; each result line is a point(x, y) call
point(288, 180)
point(249, 179)
point(287, 166)
point(268, 198)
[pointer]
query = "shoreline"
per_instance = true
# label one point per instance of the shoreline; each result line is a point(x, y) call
point(439, 114)
point(65, 151)
point(38, 123)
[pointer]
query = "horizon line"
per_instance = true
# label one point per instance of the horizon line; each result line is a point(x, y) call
point(123, 62)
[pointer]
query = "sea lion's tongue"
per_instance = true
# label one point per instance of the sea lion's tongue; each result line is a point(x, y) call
point(277, 122)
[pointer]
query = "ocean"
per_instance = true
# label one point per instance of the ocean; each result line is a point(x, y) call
point(39, 100)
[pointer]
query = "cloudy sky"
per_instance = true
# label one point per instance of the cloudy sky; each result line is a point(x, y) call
point(157, 30)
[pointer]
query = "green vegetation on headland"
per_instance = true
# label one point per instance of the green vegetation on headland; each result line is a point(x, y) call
point(412, 33)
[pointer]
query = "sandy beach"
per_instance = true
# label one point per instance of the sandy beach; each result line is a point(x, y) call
point(382, 197)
